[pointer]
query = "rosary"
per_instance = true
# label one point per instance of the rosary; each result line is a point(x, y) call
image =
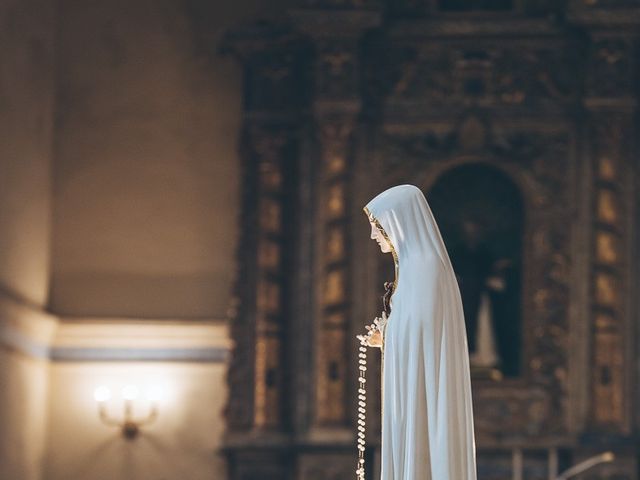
point(378, 325)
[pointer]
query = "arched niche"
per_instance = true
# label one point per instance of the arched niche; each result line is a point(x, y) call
point(480, 212)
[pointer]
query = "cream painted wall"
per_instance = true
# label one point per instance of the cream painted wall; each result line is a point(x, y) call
point(26, 99)
point(146, 178)
point(23, 390)
point(144, 200)
point(26, 102)
point(24, 380)
point(145, 218)
point(182, 444)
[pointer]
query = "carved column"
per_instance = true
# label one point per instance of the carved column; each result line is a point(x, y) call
point(610, 100)
point(611, 104)
point(333, 330)
point(259, 406)
point(336, 107)
point(610, 394)
point(258, 322)
point(336, 35)
point(269, 146)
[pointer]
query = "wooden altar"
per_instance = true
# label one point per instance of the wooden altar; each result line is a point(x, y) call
point(352, 96)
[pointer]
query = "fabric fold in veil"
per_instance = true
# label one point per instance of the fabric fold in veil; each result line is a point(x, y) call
point(427, 426)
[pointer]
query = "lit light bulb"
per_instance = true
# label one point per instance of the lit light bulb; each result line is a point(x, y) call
point(102, 394)
point(130, 392)
point(155, 394)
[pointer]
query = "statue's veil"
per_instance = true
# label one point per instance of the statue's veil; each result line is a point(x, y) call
point(427, 431)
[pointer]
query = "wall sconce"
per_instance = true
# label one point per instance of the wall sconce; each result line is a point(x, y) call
point(129, 424)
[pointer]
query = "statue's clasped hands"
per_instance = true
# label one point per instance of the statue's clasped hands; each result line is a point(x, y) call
point(373, 337)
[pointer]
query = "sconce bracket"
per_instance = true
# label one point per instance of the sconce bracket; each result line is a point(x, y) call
point(130, 430)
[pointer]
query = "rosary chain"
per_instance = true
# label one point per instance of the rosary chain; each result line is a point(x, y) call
point(362, 409)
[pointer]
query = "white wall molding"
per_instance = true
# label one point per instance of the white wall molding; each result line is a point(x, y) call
point(41, 335)
point(196, 355)
point(26, 328)
point(100, 339)
point(14, 339)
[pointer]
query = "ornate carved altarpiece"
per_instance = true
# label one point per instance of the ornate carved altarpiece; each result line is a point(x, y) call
point(352, 96)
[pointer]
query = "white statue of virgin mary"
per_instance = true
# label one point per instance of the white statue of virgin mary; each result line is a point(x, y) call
point(427, 418)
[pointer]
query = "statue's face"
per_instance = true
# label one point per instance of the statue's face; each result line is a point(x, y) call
point(376, 235)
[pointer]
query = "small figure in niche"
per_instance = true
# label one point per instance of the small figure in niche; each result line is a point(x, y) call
point(486, 284)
